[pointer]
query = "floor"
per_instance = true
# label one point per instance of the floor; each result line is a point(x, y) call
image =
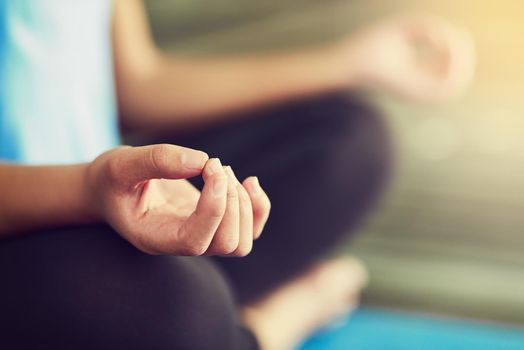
point(404, 331)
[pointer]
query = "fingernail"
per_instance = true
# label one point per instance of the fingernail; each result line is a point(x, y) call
point(214, 166)
point(255, 186)
point(194, 160)
point(220, 186)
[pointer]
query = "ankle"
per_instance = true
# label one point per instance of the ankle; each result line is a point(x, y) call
point(271, 327)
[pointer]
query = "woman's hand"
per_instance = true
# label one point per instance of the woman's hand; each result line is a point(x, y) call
point(422, 58)
point(142, 193)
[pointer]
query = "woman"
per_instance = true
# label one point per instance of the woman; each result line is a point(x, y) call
point(72, 201)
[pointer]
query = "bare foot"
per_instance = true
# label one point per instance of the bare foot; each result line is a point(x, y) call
point(287, 316)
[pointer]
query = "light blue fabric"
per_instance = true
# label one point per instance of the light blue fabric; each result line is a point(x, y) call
point(57, 100)
point(375, 329)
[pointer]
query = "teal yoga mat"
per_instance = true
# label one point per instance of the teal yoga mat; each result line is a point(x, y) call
point(375, 329)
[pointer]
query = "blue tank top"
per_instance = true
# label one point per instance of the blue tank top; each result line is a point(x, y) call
point(57, 99)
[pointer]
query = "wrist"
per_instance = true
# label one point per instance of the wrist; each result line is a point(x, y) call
point(88, 205)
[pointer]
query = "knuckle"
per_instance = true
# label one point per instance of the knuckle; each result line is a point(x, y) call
point(244, 198)
point(232, 204)
point(232, 195)
point(243, 251)
point(190, 247)
point(266, 206)
point(226, 246)
point(194, 250)
point(215, 212)
point(258, 233)
point(267, 202)
point(159, 156)
point(263, 205)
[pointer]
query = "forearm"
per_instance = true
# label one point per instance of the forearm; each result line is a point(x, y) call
point(42, 196)
point(155, 88)
point(195, 90)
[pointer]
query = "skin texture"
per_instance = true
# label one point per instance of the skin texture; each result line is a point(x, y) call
point(143, 194)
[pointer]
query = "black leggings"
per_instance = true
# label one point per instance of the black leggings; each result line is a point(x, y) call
point(324, 163)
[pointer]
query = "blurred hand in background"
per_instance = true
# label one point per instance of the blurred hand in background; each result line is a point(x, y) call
point(419, 57)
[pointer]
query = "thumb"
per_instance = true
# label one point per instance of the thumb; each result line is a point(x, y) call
point(163, 161)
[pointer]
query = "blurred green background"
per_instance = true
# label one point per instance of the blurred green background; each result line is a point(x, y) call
point(449, 237)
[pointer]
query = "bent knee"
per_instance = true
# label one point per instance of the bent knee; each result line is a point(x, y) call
point(349, 142)
point(360, 135)
point(94, 290)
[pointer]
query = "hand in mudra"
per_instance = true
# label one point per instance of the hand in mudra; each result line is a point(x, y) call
point(142, 193)
point(422, 58)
